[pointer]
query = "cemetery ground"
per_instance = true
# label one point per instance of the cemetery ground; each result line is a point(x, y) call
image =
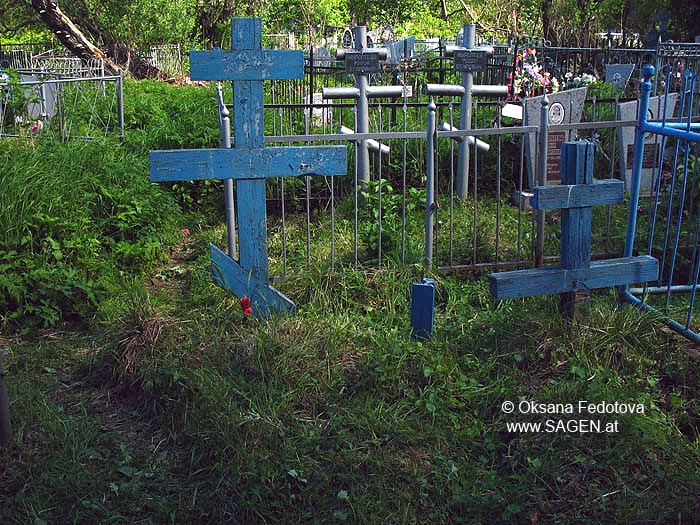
point(140, 393)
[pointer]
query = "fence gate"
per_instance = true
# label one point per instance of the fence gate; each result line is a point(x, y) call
point(664, 217)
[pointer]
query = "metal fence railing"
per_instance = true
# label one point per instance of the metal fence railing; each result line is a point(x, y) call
point(45, 105)
point(666, 186)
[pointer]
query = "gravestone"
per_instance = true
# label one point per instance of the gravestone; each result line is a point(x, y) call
point(565, 107)
point(400, 50)
point(618, 75)
point(576, 274)
point(321, 114)
point(248, 162)
point(652, 146)
point(42, 99)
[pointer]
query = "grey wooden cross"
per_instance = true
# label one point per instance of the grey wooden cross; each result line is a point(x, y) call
point(248, 162)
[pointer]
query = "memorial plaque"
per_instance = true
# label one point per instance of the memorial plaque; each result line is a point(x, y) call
point(554, 141)
point(470, 60)
point(362, 63)
point(565, 107)
point(628, 111)
point(618, 75)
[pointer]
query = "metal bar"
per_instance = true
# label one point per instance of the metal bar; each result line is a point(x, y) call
point(225, 137)
point(542, 178)
point(465, 117)
point(430, 186)
point(5, 422)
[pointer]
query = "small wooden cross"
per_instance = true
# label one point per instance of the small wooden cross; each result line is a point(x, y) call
point(248, 162)
point(575, 196)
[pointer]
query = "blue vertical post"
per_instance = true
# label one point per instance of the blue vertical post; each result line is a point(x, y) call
point(422, 310)
point(576, 169)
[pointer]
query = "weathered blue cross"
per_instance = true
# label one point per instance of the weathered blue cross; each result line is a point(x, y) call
point(575, 196)
point(248, 162)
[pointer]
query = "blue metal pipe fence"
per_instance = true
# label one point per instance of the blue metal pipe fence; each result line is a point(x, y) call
point(670, 227)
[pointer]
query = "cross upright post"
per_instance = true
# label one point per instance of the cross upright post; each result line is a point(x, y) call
point(361, 62)
point(248, 161)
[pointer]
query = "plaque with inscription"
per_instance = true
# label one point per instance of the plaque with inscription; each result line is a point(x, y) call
point(470, 60)
point(627, 111)
point(650, 159)
point(362, 63)
point(618, 74)
point(554, 141)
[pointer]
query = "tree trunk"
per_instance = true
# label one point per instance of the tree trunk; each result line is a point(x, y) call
point(74, 40)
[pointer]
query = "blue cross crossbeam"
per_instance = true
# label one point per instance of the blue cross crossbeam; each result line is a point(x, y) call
point(577, 194)
point(248, 162)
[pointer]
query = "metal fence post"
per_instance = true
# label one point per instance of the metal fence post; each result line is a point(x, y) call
point(120, 103)
point(5, 424)
point(430, 185)
point(542, 179)
point(225, 135)
point(465, 118)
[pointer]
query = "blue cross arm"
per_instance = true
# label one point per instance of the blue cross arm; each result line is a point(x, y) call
point(260, 163)
point(555, 279)
point(248, 64)
point(607, 191)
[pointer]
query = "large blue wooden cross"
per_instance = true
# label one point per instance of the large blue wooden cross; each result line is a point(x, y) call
point(575, 196)
point(248, 162)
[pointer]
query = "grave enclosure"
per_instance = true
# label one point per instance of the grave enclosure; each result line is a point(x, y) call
point(459, 240)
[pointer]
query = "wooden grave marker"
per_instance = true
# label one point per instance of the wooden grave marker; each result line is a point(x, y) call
point(576, 273)
point(248, 162)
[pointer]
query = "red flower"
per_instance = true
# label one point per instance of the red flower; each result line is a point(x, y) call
point(245, 305)
point(185, 232)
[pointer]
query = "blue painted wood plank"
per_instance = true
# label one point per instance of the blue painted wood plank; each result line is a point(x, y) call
point(246, 33)
point(422, 309)
point(251, 199)
point(555, 279)
point(263, 64)
point(575, 241)
point(601, 192)
point(229, 275)
point(577, 162)
point(248, 115)
point(286, 161)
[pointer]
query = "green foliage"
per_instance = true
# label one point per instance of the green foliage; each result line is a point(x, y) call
point(81, 216)
point(380, 201)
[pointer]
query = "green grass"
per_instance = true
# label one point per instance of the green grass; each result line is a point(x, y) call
point(336, 415)
point(141, 394)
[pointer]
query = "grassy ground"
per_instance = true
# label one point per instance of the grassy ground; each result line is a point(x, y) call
point(181, 410)
point(141, 394)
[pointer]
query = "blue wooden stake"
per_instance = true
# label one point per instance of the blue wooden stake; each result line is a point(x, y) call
point(248, 162)
point(576, 274)
point(422, 310)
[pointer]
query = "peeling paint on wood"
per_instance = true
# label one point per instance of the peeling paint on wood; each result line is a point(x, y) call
point(248, 162)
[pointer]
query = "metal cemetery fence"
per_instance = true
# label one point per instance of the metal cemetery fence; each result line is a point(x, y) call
point(51, 105)
point(491, 228)
point(664, 220)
